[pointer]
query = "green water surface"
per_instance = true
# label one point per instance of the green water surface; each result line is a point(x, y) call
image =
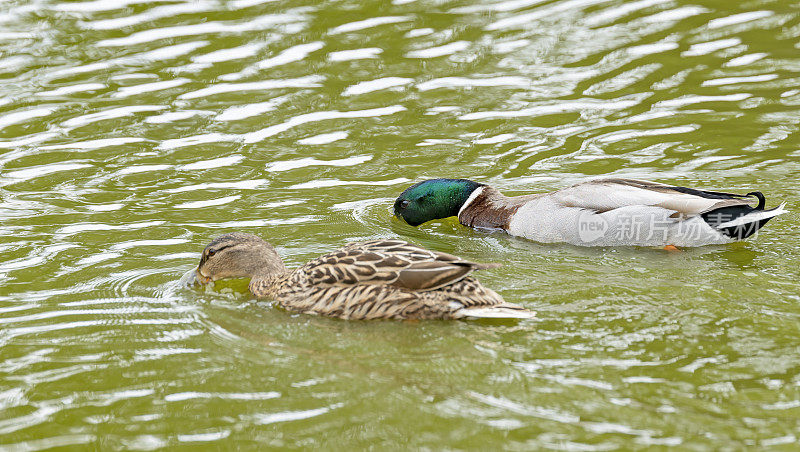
point(132, 132)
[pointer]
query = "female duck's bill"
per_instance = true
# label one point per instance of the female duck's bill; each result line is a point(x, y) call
point(605, 212)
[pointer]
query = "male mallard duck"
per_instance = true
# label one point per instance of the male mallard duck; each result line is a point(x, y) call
point(380, 279)
point(604, 212)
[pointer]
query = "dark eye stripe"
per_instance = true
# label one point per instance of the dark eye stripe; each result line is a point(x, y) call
point(208, 253)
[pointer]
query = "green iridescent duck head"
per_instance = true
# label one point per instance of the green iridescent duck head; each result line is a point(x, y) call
point(432, 199)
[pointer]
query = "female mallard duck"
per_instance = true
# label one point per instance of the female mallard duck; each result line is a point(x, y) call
point(381, 279)
point(604, 212)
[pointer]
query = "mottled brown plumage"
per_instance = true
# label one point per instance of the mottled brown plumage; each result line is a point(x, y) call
point(380, 279)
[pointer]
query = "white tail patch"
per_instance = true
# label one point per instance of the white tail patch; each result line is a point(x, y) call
point(752, 217)
point(498, 313)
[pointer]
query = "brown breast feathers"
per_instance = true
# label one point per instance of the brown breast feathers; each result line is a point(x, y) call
point(491, 209)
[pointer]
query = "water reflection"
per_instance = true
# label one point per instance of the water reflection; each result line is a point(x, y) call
point(134, 132)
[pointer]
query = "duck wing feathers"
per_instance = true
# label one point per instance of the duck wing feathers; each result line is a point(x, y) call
point(388, 262)
point(603, 195)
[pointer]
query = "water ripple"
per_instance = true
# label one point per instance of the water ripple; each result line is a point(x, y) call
point(147, 36)
point(260, 135)
point(222, 88)
point(134, 132)
point(290, 55)
point(367, 23)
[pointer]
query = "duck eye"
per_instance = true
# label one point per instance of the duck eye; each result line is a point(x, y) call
point(210, 253)
point(404, 203)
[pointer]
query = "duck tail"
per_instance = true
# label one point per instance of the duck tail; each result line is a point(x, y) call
point(505, 311)
point(744, 222)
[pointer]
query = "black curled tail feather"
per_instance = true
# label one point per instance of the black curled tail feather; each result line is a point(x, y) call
point(762, 201)
point(722, 215)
